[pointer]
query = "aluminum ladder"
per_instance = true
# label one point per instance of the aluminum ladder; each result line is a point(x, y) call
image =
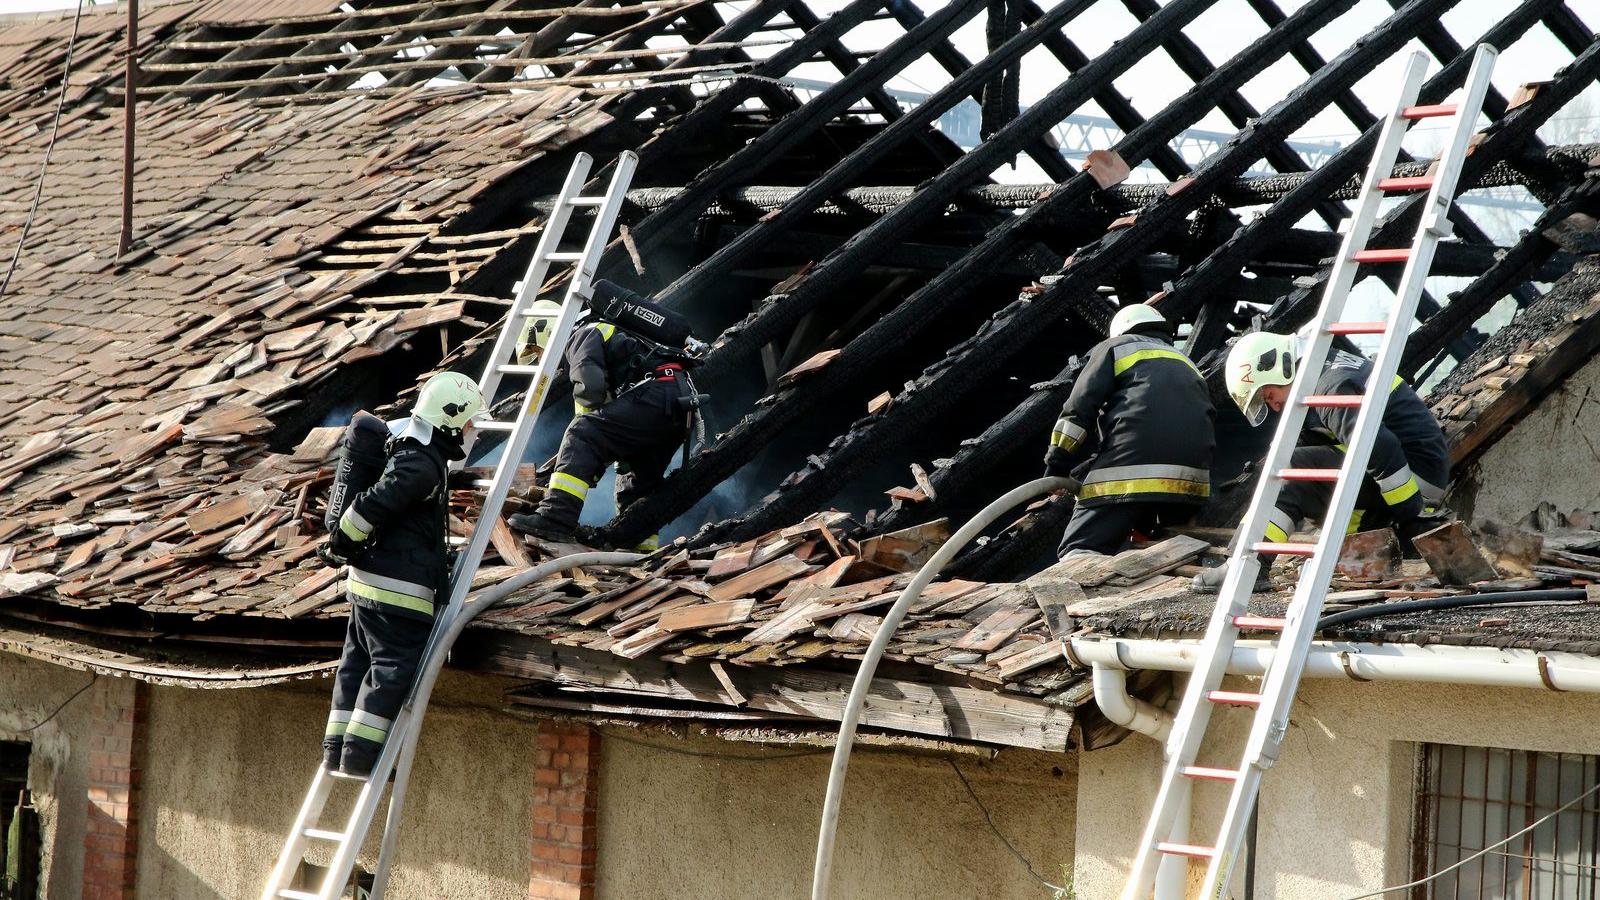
point(400, 749)
point(1295, 631)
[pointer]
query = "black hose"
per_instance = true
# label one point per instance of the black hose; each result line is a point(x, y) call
point(1454, 602)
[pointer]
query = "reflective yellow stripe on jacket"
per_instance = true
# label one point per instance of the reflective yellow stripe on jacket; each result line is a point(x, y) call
point(1129, 355)
point(392, 591)
point(1117, 481)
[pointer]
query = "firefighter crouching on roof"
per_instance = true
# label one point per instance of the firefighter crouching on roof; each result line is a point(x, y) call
point(392, 535)
point(1406, 474)
point(629, 400)
point(1142, 410)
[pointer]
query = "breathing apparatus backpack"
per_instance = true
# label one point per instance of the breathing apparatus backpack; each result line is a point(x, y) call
point(361, 460)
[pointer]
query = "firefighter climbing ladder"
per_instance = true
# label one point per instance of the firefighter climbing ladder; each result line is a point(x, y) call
point(399, 750)
point(1296, 630)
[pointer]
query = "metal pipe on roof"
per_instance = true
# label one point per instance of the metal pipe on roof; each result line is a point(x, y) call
point(1479, 666)
point(130, 99)
point(1111, 695)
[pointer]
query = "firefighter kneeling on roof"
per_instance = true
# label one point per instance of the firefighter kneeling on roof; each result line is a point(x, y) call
point(1406, 473)
point(1143, 410)
point(633, 402)
point(392, 535)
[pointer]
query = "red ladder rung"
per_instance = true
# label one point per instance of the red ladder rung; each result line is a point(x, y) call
point(1406, 183)
point(1285, 548)
point(1309, 474)
point(1429, 111)
point(1260, 623)
point(1234, 698)
point(1358, 328)
point(1194, 850)
point(1383, 255)
point(1205, 774)
point(1336, 401)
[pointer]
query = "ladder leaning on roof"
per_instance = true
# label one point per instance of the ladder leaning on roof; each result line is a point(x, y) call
point(1231, 615)
point(400, 749)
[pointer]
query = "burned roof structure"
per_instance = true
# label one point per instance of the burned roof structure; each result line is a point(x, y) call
point(335, 199)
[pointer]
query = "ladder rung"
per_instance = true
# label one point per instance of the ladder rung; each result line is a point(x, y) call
point(1406, 183)
point(292, 894)
point(322, 834)
point(484, 483)
point(342, 776)
point(1285, 548)
point(1358, 328)
point(1234, 698)
point(1260, 623)
point(494, 425)
point(1384, 255)
point(586, 201)
point(1336, 401)
point(1205, 774)
point(1194, 850)
point(1309, 474)
point(1428, 111)
point(563, 256)
point(513, 369)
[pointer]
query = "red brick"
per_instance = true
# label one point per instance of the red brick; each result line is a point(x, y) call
point(564, 843)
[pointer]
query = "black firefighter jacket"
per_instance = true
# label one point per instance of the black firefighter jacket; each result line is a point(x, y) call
point(1410, 460)
point(602, 361)
point(402, 517)
point(1152, 413)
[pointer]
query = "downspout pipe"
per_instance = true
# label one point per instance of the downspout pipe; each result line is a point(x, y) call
point(1111, 695)
point(1479, 666)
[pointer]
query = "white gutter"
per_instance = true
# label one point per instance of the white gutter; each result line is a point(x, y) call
point(1483, 666)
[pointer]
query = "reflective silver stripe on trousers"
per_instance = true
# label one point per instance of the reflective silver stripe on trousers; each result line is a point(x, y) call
point(362, 717)
point(1128, 473)
point(1397, 480)
point(408, 588)
point(1430, 492)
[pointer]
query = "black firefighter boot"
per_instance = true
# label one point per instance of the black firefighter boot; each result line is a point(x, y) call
point(542, 526)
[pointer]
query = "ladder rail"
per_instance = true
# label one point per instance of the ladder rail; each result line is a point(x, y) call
point(1194, 714)
point(1282, 678)
point(505, 474)
point(460, 609)
point(533, 278)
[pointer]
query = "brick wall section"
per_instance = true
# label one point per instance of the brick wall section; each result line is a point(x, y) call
point(565, 794)
point(115, 746)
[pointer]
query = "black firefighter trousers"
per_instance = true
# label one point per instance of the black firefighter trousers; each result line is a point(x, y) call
point(1106, 528)
point(639, 430)
point(382, 651)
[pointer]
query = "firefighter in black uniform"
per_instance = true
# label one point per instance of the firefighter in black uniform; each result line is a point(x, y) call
point(629, 399)
point(392, 535)
point(1406, 473)
point(1143, 411)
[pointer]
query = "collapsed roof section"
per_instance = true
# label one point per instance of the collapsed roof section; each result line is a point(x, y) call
point(333, 200)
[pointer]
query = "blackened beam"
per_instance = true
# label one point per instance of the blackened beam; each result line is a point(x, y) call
point(1193, 63)
point(1116, 106)
point(788, 132)
point(1571, 160)
point(710, 115)
point(1517, 264)
point(847, 171)
point(918, 256)
point(1200, 284)
point(953, 285)
point(776, 98)
point(1047, 157)
point(846, 63)
point(1569, 29)
point(779, 312)
point(541, 41)
point(1015, 328)
point(384, 49)
point(638, 36)
point(1295, 309)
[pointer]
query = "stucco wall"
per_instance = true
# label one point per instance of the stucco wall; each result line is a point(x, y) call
point(1336, 809)
point(226, 771)
point(29, 692)
point(1550, 455)
point(741, 822)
